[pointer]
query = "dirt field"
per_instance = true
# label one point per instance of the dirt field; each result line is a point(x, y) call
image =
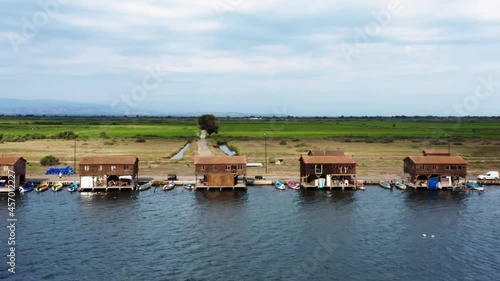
point(374, 159)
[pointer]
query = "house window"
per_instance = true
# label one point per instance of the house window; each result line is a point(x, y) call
point(86, 168)
point(126, 167)
point(5, 168)
point(460, 167)
point(447, 167)
point(453, 167)
point(422, 167)
point(100, 168)
point(228, 167)
point(113, 168)
point(215, 168)
point(240, 167)
point(434, 167)
point(318, 169)
point(202, 167)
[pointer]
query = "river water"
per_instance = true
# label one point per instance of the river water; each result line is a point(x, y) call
point(260, 234)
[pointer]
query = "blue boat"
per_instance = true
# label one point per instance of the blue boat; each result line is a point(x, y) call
point(27, 187)
point(73, 187)
point(475, 186)
point(279, 185)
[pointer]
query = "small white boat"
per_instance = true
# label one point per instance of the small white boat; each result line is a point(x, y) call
point(58, 186)
point(145, 186)
point(385, 184)
point(475, 186)
point(169, 186)
point(188, 186)
point(279, 185)
point(400, 185)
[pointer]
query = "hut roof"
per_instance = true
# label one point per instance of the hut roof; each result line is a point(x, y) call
point(436, 152)
point(326, 153)
point(327, 159)
point(108, 160)
point(10, 160)
point(220, 160)
point(437, 160)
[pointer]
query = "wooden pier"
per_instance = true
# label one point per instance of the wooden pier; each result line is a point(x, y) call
point(240, 186)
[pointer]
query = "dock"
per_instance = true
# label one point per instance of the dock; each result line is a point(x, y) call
point(239, 186)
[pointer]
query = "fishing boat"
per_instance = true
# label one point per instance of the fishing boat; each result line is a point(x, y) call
point(57, 186)
point(385, 184)
point(169, 186)
point(145, 186)
point(42, 187)
point(400, 185)
point(73, 187)
point(279, 185)
point(475, 186)
point(293, 185)
point(27, 187)
point(188, 186)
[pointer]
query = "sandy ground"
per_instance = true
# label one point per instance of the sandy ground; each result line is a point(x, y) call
point(375, 160)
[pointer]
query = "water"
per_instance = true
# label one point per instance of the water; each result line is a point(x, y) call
point(261, 234)
point(180, 154)
point(226, 150)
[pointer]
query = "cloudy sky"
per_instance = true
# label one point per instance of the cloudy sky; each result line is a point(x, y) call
point(317, 57)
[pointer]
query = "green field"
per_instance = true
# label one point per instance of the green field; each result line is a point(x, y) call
point(363, 129)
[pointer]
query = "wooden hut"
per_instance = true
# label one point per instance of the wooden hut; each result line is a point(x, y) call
point(327, 171)
point(446, 169)
point(12, 167)
point(108, 172)
point(220, 171)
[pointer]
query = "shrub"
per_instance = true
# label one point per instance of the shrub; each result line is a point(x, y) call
point(140, 140)
point(283, 142)
point(103, 135)
point(66, 135)
point(49, 160)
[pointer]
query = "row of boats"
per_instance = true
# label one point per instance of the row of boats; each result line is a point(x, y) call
point(58, 186)
point(296, 186)
point(43, 186)
point(399, 185)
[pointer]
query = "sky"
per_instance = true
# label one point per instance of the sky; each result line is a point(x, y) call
point(300, 58)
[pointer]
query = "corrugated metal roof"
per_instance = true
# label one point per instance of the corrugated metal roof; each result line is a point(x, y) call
point(431, 160)
point(108, 160)
point(215, 160)
point(328, 159)
point(431, 152)
point(326, 153)
point(10, 160)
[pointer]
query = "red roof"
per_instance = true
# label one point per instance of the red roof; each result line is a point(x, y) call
point(327, 159)
point(215, 160)
point(108, 160)
point(10, 160)
point(436, 160)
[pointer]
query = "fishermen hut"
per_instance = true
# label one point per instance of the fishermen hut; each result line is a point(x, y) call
point(328, 169)
point(435, 169)
point(108, 172)
point(12, 168)
point(220, 171)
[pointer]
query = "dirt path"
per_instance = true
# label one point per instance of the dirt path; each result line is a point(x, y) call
point(202, 145)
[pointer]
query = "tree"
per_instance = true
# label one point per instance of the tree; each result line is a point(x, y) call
point(49, 160)
point(209, 123)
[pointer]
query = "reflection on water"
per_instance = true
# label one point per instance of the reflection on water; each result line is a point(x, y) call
point(260, 234)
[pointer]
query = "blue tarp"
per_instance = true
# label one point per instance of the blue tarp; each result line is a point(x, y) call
point(433, 183)
point(56, 171)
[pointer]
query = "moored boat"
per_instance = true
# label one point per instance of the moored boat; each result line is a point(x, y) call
point(475, 186)
point(293, 185)
point(279, 185)
point(145, 186)
point(400, 185)
point(27, 187)
point(42, 187)
point(73, 187)
point(188, 186)
point(169, 186)
point(385, 184)
point(58, 186)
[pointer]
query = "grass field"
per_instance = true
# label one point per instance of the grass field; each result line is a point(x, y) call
point(378, 145)
point(367, 129)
